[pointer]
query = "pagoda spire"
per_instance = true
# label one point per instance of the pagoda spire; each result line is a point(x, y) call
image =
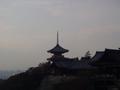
point(57, 38)
point(58, 50)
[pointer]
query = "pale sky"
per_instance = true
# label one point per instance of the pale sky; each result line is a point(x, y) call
point(28, 29)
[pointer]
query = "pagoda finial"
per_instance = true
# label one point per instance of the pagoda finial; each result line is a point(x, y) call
point(57, 38)
point(58, 50)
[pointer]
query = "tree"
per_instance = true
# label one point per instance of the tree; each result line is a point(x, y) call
point(87, 54)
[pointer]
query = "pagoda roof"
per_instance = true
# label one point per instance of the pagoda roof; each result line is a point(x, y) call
point(58, 49)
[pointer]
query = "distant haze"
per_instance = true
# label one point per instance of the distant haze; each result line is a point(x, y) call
point(28, 29)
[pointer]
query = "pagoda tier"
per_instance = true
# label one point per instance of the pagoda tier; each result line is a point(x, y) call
point(58, 50)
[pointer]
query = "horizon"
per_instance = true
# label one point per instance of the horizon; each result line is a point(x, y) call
point(28, 29)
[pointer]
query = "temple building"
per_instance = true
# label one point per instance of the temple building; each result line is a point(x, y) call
point(107, 76)
point(108, 61)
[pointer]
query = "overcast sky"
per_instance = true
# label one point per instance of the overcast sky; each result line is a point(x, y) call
point(28, 29)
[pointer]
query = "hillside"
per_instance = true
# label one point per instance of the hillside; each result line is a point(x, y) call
point(28, 80)
point(40, 78)
point(5, 74)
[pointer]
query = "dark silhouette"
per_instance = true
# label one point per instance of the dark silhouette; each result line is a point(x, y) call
point(100, 72)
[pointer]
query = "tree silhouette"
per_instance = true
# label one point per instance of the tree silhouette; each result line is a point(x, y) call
point(87, 54)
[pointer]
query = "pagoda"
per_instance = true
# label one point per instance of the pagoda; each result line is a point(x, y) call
point(57, 51)
point(61, 65)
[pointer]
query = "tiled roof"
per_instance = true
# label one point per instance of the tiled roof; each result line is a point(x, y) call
point(109, 57)
point(68, 63)
point(58, 49)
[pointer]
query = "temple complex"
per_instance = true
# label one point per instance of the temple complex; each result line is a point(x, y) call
point(65, 64)
point(104, 66)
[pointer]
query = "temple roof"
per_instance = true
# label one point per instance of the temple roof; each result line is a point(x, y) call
point(71, 63)
point(108, 57)
point(58, 49)
point(97, 56)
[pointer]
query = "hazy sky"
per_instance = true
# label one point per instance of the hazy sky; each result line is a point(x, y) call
point(28, 29)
